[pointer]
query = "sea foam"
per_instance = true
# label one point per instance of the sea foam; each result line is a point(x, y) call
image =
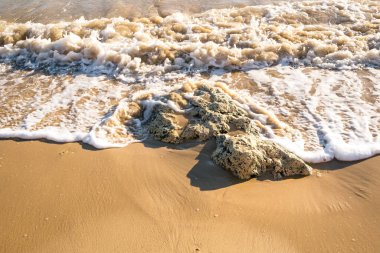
point(306, 72)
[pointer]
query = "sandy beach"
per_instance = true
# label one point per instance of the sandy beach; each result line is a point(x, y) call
point(153, 198)
point(133, 126)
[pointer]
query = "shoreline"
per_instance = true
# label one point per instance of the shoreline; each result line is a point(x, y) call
point(149, 197)
point(248, 103)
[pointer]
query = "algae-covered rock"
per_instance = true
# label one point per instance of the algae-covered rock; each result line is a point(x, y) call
point(240, 148)
point(247, 156)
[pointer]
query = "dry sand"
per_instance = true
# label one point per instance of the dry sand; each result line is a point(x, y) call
point(69, 198)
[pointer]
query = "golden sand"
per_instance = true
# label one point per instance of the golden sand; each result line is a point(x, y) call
point(152, 198)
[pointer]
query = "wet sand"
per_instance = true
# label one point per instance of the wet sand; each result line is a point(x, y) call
point(154, 198)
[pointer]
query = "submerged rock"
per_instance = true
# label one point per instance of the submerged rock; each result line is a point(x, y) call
point(240, 149)
point(247, 156)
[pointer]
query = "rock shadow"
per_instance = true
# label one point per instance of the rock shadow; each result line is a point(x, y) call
point(208, 176)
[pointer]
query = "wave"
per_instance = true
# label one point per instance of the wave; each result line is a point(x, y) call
point(328, 34)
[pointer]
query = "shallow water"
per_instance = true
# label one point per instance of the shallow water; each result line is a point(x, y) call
point(307, 72)
point(48, 11)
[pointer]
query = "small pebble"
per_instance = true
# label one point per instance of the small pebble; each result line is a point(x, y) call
point(216, 215)
point(319, 174)
point(197, 209)
point(353, 239)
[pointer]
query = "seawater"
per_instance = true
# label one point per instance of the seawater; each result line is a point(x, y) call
point(306, 72)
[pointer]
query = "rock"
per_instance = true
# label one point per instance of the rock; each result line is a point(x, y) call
point(240, 149)
point(213, 112)
point(163, 126)
point(247, 155)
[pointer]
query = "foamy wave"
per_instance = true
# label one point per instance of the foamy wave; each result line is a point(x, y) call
point(319, 115)
point(327, 34)
point(329, 114)
point(94, 110)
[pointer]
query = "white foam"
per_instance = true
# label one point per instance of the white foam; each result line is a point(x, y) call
point(49, 133)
